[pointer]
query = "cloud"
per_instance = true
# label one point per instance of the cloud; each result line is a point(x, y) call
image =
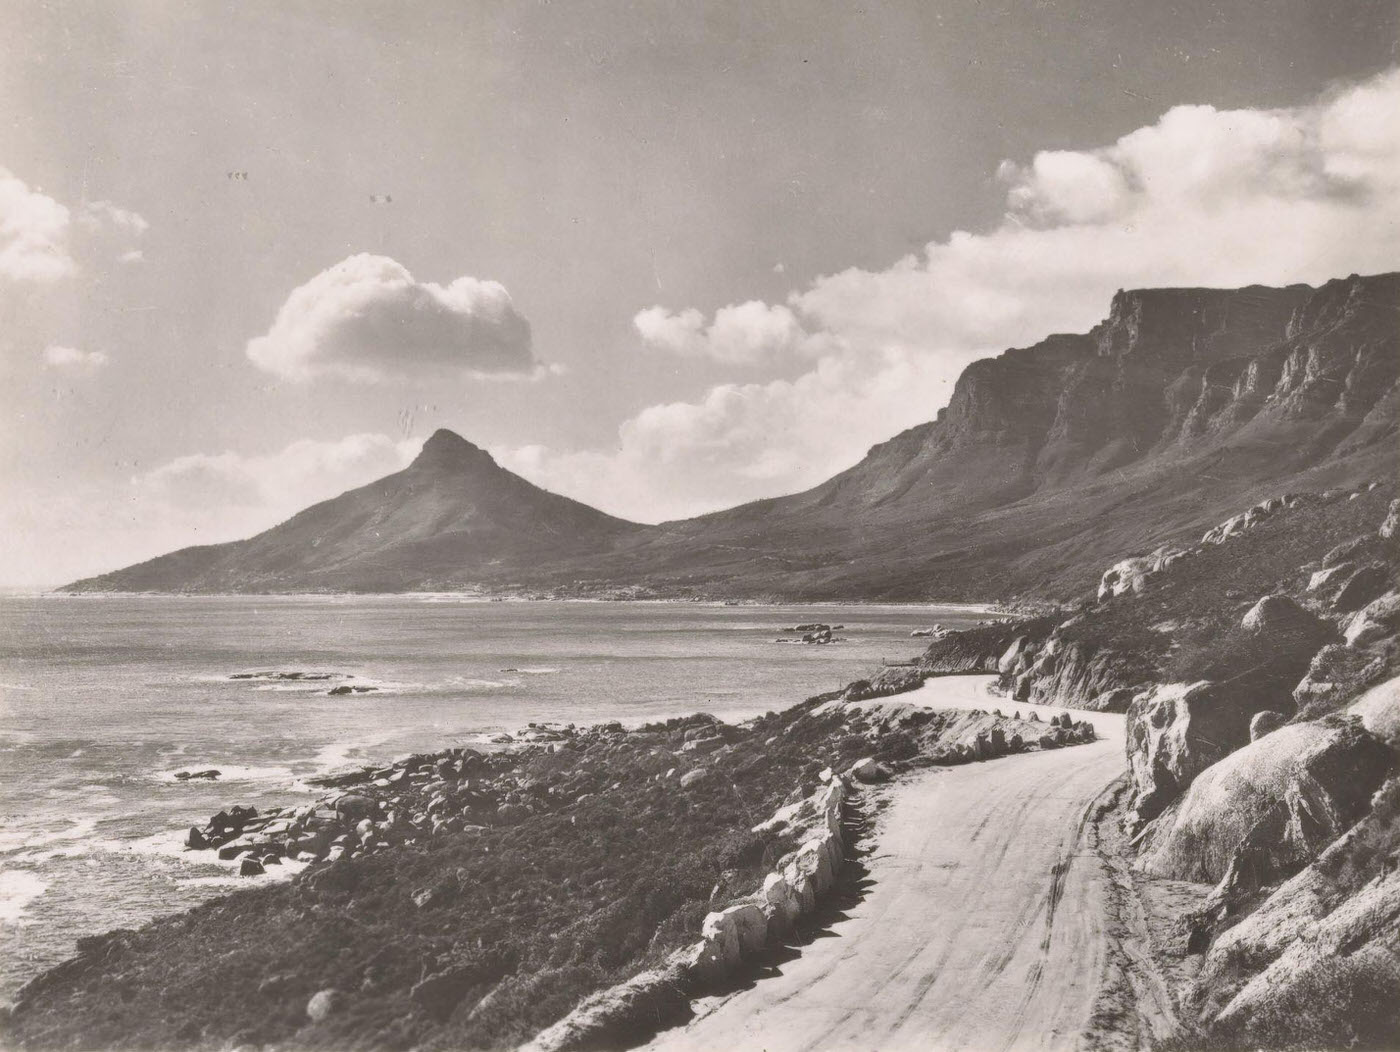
point(73, 360)
point(367, 319)
point(40, 238)
point(740, 334)
point(1200, 197)
point(261, 490)
point(33, 233)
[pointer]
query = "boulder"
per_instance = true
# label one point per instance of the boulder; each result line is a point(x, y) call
point(251, 867)
point(815, 861)
point(1379, 710)
point(869, 771)
point(195, 840)
point(1375, 621)
point(784, 905)
point(353, 807)
point(1013, 657)
point(1361, 586)
point(1332, 575)
point(1174, 732)
point(1280, 615)
point(694, 777)
point(1390, 528)
point(750, 927)
point(718, 952)
point(323, 1004)
point(1264, 812)
point(233, 849)
point(1263, 723)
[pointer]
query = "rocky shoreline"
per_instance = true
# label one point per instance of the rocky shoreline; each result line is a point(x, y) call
point(479, 897)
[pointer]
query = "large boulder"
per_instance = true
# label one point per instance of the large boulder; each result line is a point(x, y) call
point(1377, 620)
point(868, 770)
point(1177, 730)
point(1379, 710)
point(1330, 576)
point(784, 905)
point(1264, 812)
point(1278, 615)
point(354, 808)
point(1361, 586)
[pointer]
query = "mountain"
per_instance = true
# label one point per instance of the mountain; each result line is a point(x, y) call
point(1048, 463)
point(452, 512)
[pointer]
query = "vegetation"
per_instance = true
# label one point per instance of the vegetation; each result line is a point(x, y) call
point(480, 938)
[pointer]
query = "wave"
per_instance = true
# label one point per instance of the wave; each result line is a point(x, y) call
point(31, 837)
point(18, 888)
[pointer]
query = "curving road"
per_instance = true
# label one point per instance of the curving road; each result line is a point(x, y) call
point(984, 928)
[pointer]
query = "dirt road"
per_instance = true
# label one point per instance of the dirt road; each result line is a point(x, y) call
point(984, 928)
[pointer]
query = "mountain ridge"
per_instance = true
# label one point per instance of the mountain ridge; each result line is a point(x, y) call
point(1181, 405)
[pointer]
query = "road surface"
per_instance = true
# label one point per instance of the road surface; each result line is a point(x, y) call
point(984, 928)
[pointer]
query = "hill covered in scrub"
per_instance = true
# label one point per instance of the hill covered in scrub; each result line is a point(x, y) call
point(1049, 462)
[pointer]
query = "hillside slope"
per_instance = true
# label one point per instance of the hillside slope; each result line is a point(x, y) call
point(1049, 461)
point(453, 511)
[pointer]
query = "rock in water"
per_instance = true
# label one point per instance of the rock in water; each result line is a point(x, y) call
point(250, 867)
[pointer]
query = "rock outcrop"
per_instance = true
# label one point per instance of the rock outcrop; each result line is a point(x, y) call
point(1131, 575)
point(1376, 621)
point(1316, 961)
point(1263, 812)
point(1174, 732)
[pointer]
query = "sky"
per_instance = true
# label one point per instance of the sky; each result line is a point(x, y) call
point(662, 257)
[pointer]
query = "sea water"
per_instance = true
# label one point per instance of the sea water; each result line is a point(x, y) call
point(104, 699)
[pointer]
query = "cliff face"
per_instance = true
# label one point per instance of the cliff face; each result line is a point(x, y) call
point(1182, 406)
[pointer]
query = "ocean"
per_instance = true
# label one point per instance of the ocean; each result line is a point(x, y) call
point(104, 699)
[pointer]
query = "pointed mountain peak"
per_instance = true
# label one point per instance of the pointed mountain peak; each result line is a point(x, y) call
point(447, 449)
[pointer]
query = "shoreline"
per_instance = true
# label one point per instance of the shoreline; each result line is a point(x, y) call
point(688, 762)
point(476, 598)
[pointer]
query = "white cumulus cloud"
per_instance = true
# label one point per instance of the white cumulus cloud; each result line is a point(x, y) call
point(367, 318)
point(33, 233)
point(40, 238)
point(741, 333)
point(1202, 196)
